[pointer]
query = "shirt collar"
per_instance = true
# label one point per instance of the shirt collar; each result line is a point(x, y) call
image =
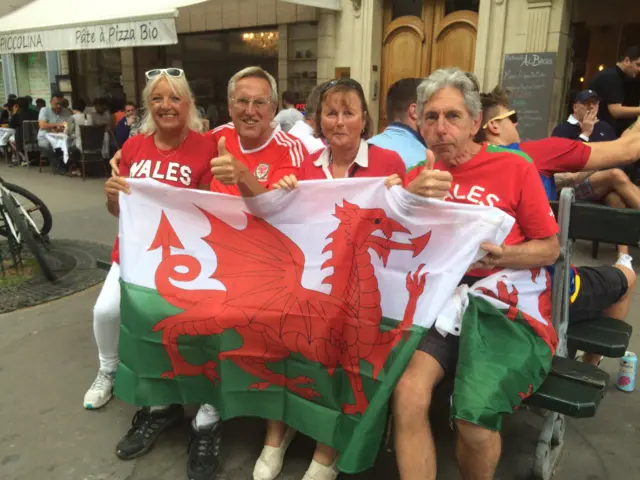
point(572, 120)
point(407, 128)
point(362, 158)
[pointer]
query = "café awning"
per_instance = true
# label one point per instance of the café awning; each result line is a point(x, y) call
point(51, 25)
point(328, 4)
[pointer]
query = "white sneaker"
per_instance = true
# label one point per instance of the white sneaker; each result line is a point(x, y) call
point(269, 463)
point(317, 471)
point(100, 392)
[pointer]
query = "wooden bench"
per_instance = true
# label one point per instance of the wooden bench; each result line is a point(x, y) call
point(574, 388)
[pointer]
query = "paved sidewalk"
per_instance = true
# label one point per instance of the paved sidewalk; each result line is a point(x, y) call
point(48, 360)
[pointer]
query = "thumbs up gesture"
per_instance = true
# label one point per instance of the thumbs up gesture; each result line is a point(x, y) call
point(225, 168)
point(431, 183)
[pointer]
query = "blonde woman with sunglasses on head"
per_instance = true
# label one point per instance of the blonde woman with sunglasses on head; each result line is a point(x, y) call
point(171, 149)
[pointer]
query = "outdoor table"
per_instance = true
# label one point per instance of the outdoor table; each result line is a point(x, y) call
point(61, 141)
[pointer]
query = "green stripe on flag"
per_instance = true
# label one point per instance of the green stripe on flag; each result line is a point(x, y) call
point(143, 359)
point(501, 362)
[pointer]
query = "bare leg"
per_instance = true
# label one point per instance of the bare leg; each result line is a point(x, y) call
point(615, 180)
point(275, 433)
point(614, 200)
point(477, 451)
point(415, 449)
point(325, 454)
point(618, 310)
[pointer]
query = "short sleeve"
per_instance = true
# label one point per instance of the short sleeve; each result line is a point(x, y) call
point(533, 213)
point(612, 89)
point(557, 155)
point(288, 164)
point(126, 158)
point(396, 166)
point(42, 115)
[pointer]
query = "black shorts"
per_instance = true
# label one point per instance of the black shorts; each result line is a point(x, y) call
point(443, 349)
point(600, 287)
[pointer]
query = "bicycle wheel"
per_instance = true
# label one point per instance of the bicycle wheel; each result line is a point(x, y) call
point(38, 212)
point(27, 235)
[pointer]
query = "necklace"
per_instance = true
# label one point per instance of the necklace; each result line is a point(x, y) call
point(173, 150)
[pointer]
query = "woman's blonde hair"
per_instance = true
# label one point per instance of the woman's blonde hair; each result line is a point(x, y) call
point(181, 88)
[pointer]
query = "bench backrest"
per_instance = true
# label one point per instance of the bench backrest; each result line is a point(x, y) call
point(592, 221)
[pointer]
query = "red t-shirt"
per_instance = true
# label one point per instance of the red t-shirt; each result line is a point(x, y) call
point(380, 163)
point(557, 155)
point(497, 177)
point(189, 166)
point(280, 156)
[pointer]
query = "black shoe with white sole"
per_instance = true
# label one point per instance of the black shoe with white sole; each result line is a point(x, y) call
point(146, 426)
point(204, 452)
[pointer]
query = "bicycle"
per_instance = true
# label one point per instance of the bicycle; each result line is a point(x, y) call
point(18, 226)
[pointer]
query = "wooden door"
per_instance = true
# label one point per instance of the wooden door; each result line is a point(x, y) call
point(402, 55)
point(454, 41)
point(414, 45)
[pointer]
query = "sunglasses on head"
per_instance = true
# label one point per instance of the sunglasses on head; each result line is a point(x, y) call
point(347, 82)
point(511, 115)
point(171, 72)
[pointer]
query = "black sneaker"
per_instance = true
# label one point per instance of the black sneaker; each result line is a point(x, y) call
point(146, 426)
point(204, 452)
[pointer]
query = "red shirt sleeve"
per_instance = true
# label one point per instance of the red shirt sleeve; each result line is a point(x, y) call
point(533, 213)
point(412, 173)
point(127, 153)
point(557, 155)
point(396, 165)
point(307, 167)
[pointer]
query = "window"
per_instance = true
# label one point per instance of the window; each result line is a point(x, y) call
point(400, 8)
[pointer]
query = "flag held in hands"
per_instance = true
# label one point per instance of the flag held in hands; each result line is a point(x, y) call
point(301, 306)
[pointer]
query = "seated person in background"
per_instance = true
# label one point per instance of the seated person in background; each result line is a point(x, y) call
point(450, 114)
point(21, 113)
point(123, 127)
point(5, 114)
point(65, 103)
point(304, 129)
point(52, 119)
point(79, 119)
point(289, 114)
point(558, 155)
point(605, 290)
point(40, 104)
point(583, 124)
point(100, 112)
point(117, 107)
point(402, 135)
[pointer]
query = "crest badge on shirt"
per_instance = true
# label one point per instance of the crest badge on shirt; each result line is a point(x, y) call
point(262, 171)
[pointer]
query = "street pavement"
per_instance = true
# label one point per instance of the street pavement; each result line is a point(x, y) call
point(48, 359)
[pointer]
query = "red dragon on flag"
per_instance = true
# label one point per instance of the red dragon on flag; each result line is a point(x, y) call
point(265, 302)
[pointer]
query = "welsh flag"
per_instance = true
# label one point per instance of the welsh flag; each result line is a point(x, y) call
point(301, 306)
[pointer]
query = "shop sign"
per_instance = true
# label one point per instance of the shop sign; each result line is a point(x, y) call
point(115, 35)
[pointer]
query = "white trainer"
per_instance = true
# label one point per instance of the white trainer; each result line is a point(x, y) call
point(269, 463)
point(100, 392)
point(317, 471)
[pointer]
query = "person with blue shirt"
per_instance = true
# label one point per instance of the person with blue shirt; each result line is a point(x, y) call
point(401, 136)
point(595, 291)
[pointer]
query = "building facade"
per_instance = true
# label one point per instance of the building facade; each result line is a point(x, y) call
point(375, 42)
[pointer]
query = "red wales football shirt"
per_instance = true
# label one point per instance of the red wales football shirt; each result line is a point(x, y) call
point(188, 166)
point(281, 155)
point(497, 177)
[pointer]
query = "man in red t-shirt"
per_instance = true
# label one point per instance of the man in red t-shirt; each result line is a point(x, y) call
point(449, 117)
point(250, 154)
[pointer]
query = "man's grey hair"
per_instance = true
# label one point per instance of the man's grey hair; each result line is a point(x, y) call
point(255, 72)
point(464, 82)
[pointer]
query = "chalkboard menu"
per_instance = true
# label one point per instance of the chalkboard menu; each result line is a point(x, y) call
point(529, 79)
